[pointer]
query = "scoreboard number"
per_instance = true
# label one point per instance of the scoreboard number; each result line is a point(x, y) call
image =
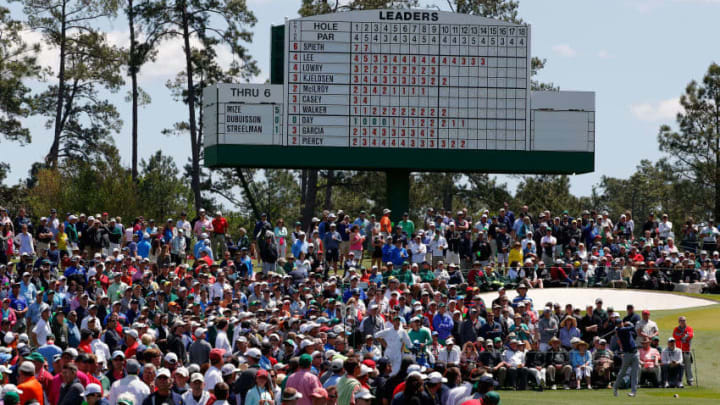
point(407, 79)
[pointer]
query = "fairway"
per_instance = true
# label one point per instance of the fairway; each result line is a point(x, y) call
point(704, 320)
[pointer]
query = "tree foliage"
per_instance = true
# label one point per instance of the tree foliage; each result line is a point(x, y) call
point(694, 147)
point(161, 192)
point(104, 184)
point(316, 7)
point(551, 193)
point(18, 63)
point(81, 119)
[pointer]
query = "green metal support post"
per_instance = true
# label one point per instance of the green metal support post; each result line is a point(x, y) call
point(398, 192)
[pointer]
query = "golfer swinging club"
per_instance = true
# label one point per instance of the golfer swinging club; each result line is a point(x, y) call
point(630, 357)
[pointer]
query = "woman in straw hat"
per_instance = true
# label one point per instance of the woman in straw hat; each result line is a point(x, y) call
point(568, 331)
point(581, 362)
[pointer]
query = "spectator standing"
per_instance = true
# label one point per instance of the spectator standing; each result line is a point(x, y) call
point(304, 381)
point(203, 224)
point(683, 335)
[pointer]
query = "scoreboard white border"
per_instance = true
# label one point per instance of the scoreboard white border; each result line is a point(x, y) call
point(335, 18)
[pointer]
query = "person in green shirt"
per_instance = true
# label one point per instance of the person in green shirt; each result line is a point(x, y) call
point(406, 275)
point(388, 273)
point(348, 385)
point(426, 274)
point(407, 225)
point(418, 332)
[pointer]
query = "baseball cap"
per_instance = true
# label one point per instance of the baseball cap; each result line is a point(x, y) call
point(11, 388)
point(319, 393)
point(491, 398)
point(11, 398)
point(290, 394)
point(228, 369)
point(254, 353)
point(364, 394)
point(197, 377)
point(163, 372)
point(216, 354)
point(132, 366)
point(27, 367)
point(305, 360)
point(92, 389)
point(435, 378)
point(171, 358)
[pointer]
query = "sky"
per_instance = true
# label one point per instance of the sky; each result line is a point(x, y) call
point(637, 55)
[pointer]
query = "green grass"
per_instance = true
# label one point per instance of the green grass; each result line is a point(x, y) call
point(704, 321)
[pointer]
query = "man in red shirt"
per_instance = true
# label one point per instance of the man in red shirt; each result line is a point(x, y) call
point(29, 385)
point(220, 227)
point(131, 340)
point(683, 335)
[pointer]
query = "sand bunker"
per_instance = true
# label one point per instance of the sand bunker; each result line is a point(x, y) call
point(618, 299)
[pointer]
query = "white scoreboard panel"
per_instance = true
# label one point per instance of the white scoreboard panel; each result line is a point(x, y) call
point(245, 114)
point(407, 79)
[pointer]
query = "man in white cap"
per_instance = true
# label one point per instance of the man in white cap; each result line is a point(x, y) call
point(364, 397)
point(199, 350)
point(29, 386)
point(196, 395)
point(41, 330)
point(393, 339)
point(450, 354)
point(162, 395)
point(93, 394)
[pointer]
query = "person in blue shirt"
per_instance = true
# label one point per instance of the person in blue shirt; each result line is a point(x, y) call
point(353, 290)
point(34, 309)
point(244, 264)
point(399, 254)
point(300, 245)
point(27, 288)
point(73, 330)
point(143, 247)
point(361, 222)
point(17, 300)
point(581, 362)
point(199, 245)
point(375, 276)
point(75, 268)
point(626, 336)
point(443, 323)
point(205, 247)
point(387, 250)
point(522, 296)
point(48, 351)
point(131, 248)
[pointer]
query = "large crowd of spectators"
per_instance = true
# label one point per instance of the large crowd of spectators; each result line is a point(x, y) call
point(360, 311)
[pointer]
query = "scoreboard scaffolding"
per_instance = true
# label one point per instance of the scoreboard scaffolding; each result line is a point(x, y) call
point(412, 90)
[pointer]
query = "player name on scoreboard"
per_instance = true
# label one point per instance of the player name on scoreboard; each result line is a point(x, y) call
point(407, 79)
point(244, 113)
